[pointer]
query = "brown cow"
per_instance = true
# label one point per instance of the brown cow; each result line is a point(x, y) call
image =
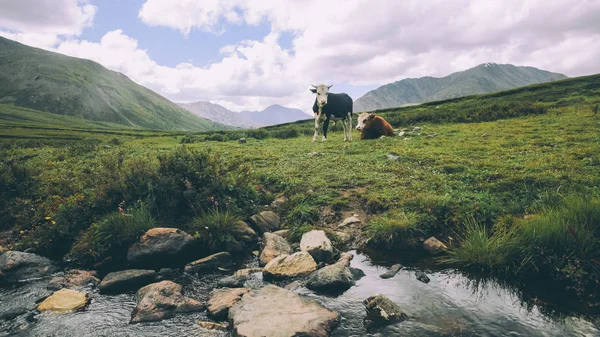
point(372, 126)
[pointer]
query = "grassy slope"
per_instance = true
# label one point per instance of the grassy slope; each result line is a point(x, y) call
point(51, 82)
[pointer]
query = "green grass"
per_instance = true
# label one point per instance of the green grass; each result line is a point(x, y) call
point(396, 229)
point(215, 228)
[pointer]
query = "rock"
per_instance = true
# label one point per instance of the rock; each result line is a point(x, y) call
point(345, 259)
point(317, 244)
point(160, 247)
point(334, 278)
point(242, 141)
point(344, 237)
point(13, 313)
point(64, 300)
point(391, 272)
point(247, 271)
point(297, 264)
point(392, 157)
point(245, 235)
point(162, 300)
point(273, 246)
point(350, 221)
point(19, 266)
point(167, 274)
point(434, 246)
point(294, 285)
point(282, 232)
point(273, 311)
point(209, 263)
point(278, 202)
point(222, 299)
point(381, 311)
point(357, 274)
point(126, 280)
point(313, 154)
point(212, 325)
point(233, 281)
point(74, 278)
point(421, 276)
point(401, 133)
point(266, 221)
point(485, 135)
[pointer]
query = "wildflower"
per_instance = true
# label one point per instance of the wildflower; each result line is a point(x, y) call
point(53, 222)
point(47, 218)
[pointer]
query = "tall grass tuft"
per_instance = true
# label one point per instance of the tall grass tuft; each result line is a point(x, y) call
point(215, 228)
point(395, 228)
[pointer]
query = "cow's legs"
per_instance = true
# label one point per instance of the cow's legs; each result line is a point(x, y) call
point(345, 126)
point(325, 126)
point(349, 122)
point(317, 117)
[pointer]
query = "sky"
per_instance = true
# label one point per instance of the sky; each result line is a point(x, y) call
point(249, 54)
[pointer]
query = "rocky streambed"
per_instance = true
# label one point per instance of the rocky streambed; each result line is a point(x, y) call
point(310, 290)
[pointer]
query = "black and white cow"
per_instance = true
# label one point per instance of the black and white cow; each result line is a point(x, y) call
point(334, 106)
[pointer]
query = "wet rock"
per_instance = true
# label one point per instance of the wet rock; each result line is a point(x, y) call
point(317, 244)
point(353, 220)
point(273, 311)
point(13, 313)
point(222, 299)
point(19, 266)
point(211, 262)
point(345, 259)
point(233, 281)
point(64, 300)
point(162, 300)
point(297, 264)
point(126, 280)
point(74, 278)
point(167, 274)
point(434, 246)
point(160, 247)
point(357, 274)
point(213, 326)
point(273, 246)
point(334, 278)
point(391, 272)
point(278, 202)
point(266, 221)
point(294, 285)
point(421, 276)
point(381, 311)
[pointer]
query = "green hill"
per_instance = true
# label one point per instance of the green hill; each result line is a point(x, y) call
point(51, 82)
point(485, 78)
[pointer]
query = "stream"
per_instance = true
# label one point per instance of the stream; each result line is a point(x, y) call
point(447, 306)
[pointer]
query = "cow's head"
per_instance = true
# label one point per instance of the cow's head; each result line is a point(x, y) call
point(322, 91)
point(364, 120)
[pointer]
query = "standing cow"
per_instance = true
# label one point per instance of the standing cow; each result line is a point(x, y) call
point(334, 106)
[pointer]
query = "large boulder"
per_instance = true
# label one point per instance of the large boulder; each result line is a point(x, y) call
point(74, 278)
point(318, 245)
point(210, 263)
point(160, 247)
point(297, 264)
point(273, 311)
point(266, 221)
point(244, 235)
point(273, 246)
point(434, 246)
point(19, 266)
point(221, 300)
point(64, 300)
point(126, 280)
point(381, 311)
point(333, 278)
point(162, 300)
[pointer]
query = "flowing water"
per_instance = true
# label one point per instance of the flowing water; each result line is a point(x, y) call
point(447, 306)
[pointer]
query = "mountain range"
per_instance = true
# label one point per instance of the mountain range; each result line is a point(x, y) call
point(272, 115)
point(54, 83)
point(484, 78)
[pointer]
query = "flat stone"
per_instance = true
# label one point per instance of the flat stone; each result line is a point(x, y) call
point(222, 299)
point(247, 271)
point(74, 278)
point(209, 263)
point(160, 247)
point(381, 311)
point(434, 246)
point(395, 269)
point(213, 326)
point(273, 246)
point(295, 265)
point(266, 221)
point(233, 281)
point(126, 280)
point(20, 266)
point(317, 244)
point(64, 300)
point(273, 311)
point(161, 300)
point(350, 221)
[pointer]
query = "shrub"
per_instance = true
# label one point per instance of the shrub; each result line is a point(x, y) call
point(217, 137)
point(214, 229)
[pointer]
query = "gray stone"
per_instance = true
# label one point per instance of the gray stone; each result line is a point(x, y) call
point(13, 313)
point(273, 246)
point(273, 311)
point(209, 263)
point(392, 157)
point(391, 272)
point(266, 221)
point(334, 278)
point(160, 247)
point(245, 235)
point(19, 266)
point(421, 276)
point(126, 280)
point(161, 300)
point(233, 281)
point(381, 311)
point(350, 221)
point(317, 244)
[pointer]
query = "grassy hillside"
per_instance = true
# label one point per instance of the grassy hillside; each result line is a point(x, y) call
point(509, 181)
point(51, 82)
point(485, 78)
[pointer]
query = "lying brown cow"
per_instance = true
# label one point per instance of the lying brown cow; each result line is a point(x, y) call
point(372, 126)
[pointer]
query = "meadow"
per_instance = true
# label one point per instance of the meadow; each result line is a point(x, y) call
point(510, 181)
